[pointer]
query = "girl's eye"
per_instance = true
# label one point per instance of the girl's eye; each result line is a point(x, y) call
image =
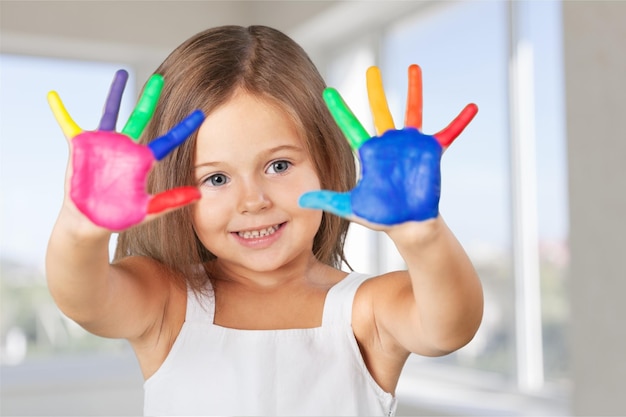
point(278, 167)
point(217, 180)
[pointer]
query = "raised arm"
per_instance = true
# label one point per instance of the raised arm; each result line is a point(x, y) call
point(105, 192)
point(436, 306)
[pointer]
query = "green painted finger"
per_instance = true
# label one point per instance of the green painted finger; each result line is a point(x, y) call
point(347, 121)
point(144, 109)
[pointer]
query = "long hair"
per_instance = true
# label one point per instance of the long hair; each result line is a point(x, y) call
point(203, 73)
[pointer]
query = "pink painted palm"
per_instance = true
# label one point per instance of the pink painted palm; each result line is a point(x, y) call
point(109, 170)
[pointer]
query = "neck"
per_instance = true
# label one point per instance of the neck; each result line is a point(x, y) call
point(306, 269)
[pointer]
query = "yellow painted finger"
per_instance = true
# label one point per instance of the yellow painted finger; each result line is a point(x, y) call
point(68, 126)
point(378, 102)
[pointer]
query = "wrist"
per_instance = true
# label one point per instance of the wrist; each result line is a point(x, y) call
point(77, 226)
point(414, 233)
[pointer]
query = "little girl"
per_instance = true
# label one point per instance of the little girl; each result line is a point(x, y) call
point(226, 279)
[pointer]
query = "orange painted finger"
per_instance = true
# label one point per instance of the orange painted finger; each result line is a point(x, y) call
point(414, 103)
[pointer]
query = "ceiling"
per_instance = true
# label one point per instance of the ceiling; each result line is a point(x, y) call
point(141, 33)
point(138, 33)
point(164, 24)
point(151, 23)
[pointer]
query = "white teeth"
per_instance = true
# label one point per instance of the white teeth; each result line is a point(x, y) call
point(252, 234)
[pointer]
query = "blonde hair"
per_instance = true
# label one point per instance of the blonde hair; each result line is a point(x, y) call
point(203, 73)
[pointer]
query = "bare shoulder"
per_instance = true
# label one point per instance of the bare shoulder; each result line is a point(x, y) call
point(379, 301)
point(387, 280)
point(132, 295)
point(162, 304)
point(381, 289)
point(151, 285)
point(381, 353)
point(375, 299)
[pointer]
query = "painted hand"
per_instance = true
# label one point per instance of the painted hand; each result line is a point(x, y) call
point(109, 170)
point(400, 168)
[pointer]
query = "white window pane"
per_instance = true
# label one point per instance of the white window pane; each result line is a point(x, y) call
point(32, 170)
point(464, 62)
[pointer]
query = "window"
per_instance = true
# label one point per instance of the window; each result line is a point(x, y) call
point(475, 186)
point(33, 161)
point(466, 54)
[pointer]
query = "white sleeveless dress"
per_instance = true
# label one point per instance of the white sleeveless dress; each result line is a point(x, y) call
point(213, 370)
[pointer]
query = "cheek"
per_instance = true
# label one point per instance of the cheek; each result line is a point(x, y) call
point(308, 180)
point(206, 230)
point(207, 215)
point(315, 219)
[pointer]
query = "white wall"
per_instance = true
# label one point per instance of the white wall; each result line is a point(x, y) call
point(595, 64)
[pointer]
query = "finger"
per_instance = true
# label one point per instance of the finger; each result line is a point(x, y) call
point(165, 144)
point(378, 102)
point(348, 123)
point(144, 109)
point(63, 118)
point(114, 99)
point(446, 136)
point(330, 201)
point(171, 199)
point(414, 102)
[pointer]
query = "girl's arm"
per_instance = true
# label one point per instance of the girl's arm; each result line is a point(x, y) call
point(118, 301)
point(105, 192)
point(436, 306)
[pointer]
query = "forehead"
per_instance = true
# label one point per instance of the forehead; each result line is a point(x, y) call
point(247, 122)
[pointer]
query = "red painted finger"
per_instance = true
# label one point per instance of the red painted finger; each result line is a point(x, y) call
point(454, 129)
point(174, 198)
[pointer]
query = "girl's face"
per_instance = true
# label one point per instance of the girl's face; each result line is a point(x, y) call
point(251, 166)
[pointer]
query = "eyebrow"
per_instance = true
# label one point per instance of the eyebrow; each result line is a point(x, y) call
point(265, 154)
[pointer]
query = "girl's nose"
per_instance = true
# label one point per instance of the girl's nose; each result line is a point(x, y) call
point(253, 198)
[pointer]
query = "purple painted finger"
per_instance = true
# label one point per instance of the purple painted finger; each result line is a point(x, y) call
point(165, 144)
point(114, 99)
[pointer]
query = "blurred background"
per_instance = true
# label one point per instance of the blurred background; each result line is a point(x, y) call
point(535, 188)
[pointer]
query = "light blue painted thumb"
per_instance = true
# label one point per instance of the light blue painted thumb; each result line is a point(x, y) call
point(339, 204)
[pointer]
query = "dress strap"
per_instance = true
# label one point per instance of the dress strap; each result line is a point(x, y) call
point(201, 306)
point(339, 300)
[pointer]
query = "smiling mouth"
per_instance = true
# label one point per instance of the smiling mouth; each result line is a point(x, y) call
point(255, 234)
